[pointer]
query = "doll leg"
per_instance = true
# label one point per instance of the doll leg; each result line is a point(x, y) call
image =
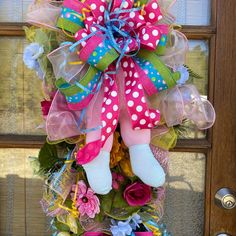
point(143, 162)
point(98, 170)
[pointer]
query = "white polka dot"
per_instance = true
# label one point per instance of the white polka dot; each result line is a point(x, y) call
point(156, 122)
point(130, 103)
point(132, 65)
point(134, 117)
point(125, 4)
point(128, 83)
point(154, 5)
point(136, 74)
point(125, 64)
point(140, 17)
point(102, 9)
point(84, 35)
point(132, 14)
point(131, 24)
point(104, 123)
point(103, 109)
point(108, 101)
point(76, 35)
point(134, 82)
point(139, 24)
point(100, 18)
point(150, 45)
point(103, 137)
point(128, 91)
point(143, 122)
point(137, 128)
point(147, 113)
point(143, 31)
point(109, 115)
point(89, 18)
point(125, 74)
point(93, 29)
point(106, 89)
point(130, 73)
point(109, 130)
point(93, 6)
point(139, 108)
point(157, 42)
point(115, 108)
point(114, 122)
point(143, 99)
point(145, 36)
point(154, 32)
point(140, 86)
point(152, 115)
point(113, 93)
point(135, 94)
point(151, 15)
point(150, 125)
point(159, 17)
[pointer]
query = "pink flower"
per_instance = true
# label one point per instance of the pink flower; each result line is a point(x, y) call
point(117, 179)
point(45, 106)
point(137, 194)
point(87, 202)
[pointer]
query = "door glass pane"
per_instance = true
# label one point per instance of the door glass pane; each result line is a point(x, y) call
point(197, 60)
point(14, 10)
point(20, 91)
point(184, 204)
point(20, 193)
point(192, 12)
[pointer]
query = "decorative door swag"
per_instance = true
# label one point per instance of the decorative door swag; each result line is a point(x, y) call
point(116, 89)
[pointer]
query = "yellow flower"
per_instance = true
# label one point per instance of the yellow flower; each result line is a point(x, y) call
point(126, 167)
point(117, 152)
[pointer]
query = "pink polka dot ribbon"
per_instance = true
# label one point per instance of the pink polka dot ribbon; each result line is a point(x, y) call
point(112, 34)
point(141, 116)
point(109, 118)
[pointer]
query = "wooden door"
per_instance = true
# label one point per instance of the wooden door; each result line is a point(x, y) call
point(200, 165)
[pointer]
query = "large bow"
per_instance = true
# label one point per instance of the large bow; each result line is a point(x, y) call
point(114, 36)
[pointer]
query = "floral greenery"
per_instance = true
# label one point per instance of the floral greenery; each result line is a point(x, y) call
point(120, 205)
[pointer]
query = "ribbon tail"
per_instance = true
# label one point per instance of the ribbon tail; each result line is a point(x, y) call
point(109, 118)
point(141, 116)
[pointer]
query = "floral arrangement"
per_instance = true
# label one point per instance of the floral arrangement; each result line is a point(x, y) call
point(116, 90)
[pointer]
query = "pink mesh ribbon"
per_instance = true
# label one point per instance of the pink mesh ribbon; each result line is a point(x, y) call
point(184, 102)
point(43, 14)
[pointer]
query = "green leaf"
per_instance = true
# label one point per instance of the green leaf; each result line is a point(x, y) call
point(122, 213)
point(47, 156)
point(106, 201)
point(119, 201)
point(61, 227)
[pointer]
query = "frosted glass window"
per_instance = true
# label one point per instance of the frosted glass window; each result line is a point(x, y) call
point(20, 193)
point(184, 204)
point(192, 12)
point(14, 10)
point(20, 91)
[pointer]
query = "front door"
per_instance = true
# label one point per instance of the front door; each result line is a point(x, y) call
point(202, 162)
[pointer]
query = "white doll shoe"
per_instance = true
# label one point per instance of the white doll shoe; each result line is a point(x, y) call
point(99, 174)
point(145, 166)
